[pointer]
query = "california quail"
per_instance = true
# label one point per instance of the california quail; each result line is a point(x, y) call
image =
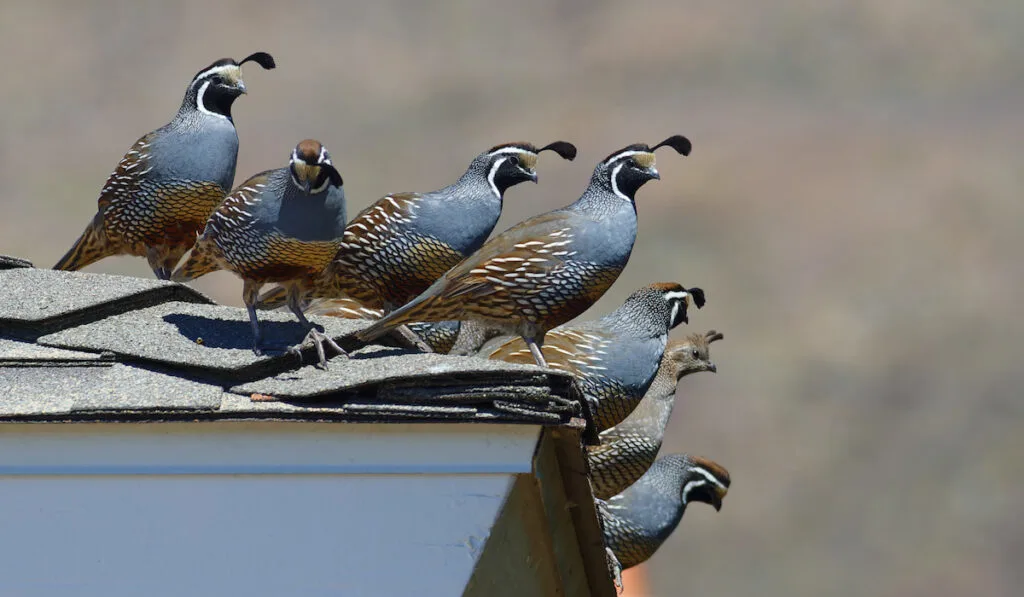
point(614, 358)
point(628, 449)
point(439, 336)
point(397, 247)
point(637, 521)
point(280, 226)
point(167, 185)
point(550, 268)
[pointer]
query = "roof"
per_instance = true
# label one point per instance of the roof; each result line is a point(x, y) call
point(92, 347)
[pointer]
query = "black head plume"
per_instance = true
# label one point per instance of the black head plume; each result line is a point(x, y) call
point(677, 142)
point(261, 58)
point(698, 296)
point(563, 148)
point(333, 173)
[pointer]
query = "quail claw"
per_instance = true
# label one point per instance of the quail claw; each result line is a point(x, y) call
point(318, 339)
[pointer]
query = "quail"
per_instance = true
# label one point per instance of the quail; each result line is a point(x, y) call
point(398, 246)
point(439, 336)
point(637, 521)
point(172, 179)
point(280, 226)
point(628, 449)
point(615, 358)
point(548, 269)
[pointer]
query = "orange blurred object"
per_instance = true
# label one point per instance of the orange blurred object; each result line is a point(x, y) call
point(634, 582)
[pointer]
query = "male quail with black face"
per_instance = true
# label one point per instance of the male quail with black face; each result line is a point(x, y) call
point(550, 268)
point(280, 226)
point(397, 247)
point(164, 189)
point(439, 336)
point(637, 521)
point(614, 358)
point(628, 449)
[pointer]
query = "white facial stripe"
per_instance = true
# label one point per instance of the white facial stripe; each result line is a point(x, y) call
point(624, 154)
point(295, 156)
point(490, 176)
point(505, 150)
point(615, 183)
point(707, 475)
point(199, 102)
point(676, 295)
point(323, 153)
point(320, 189)
point(675, 313)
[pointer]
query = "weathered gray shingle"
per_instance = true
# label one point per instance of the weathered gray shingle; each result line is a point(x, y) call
point(92, 347)
point(377, 366)
point(207, 340)
point(8, 262)
point(40, 301)
point(27, 354)
point(44, 390)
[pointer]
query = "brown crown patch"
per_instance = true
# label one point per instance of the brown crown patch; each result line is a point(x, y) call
point(308, 150)
point(717, 470)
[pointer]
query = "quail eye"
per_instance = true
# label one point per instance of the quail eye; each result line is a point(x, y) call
point(695, 354)
point(217, 79)
point(513, 160)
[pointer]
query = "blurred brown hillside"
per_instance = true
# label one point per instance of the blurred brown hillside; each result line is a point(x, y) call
point(852, 207)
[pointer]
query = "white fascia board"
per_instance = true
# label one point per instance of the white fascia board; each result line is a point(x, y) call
point(265, 448)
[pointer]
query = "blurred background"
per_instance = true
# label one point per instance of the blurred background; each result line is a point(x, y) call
point(852, 207)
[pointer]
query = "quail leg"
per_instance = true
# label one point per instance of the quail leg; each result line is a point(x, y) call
point(250, 290)
point(407, 337)
point(614, 569)
point(317, 337)
point(157, 264)
point(538, 356)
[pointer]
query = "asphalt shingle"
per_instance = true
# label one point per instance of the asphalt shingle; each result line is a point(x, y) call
point(45, 391)
point(210, 341)
point(41, 301)
point(93, 347)
point(393, 369)
point(26, 354)
point(8, 262)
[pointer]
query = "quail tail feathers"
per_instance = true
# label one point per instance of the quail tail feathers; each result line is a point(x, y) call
point(419, 309)
point(201, 261)
point(88, 249)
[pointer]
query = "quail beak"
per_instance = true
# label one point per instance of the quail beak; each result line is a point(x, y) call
point(653, 173)
point(716, 499)
point(712, 367)
point(532, 175)
point(306, 186)
point(240, 86)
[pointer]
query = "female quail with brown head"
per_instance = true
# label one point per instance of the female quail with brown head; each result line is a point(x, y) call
point(398, 246)
point(279, 226)
point(637, 521)
point(614, 358)
point(628, 449)
point(164, 189)
point(550, 268)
